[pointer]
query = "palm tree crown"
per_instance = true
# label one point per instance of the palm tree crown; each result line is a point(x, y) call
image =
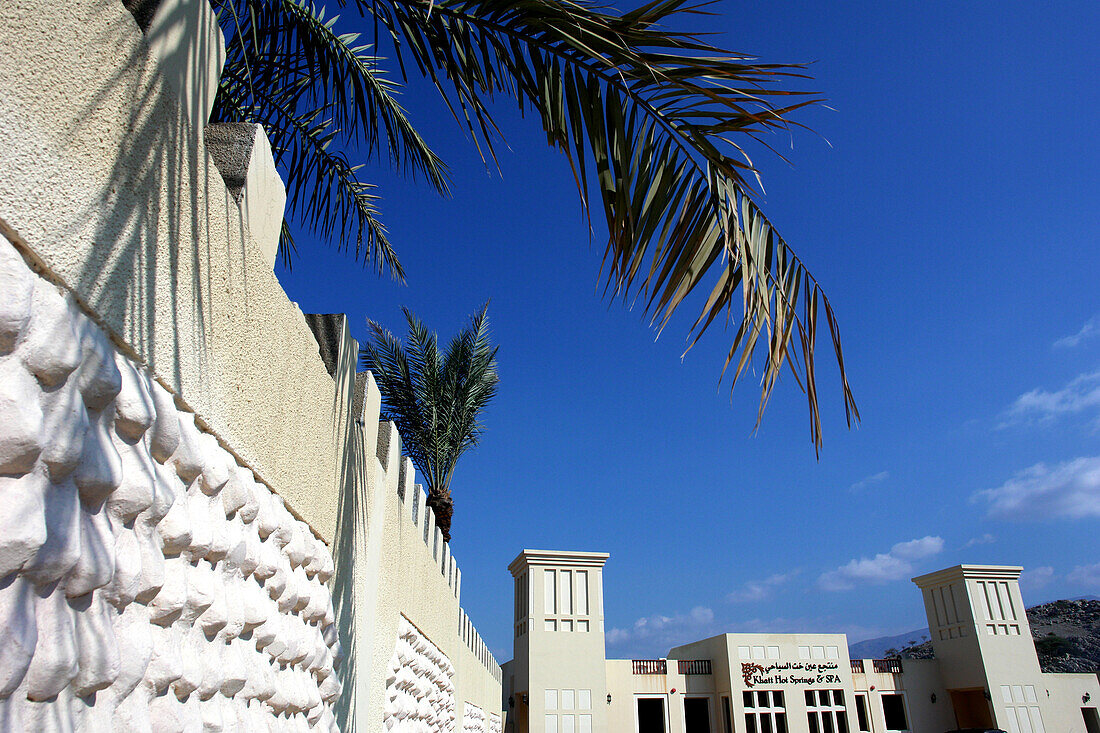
point(435, 398)
point(652, 121)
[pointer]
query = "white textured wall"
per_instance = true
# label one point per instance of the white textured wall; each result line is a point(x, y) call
point(474, 720)
point(393, 569)
point(105, 184)
point(150, 582)
point(105, 178)
point(420, 690)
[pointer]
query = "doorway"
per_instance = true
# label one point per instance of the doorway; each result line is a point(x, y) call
point(651, 715)
point(971, 708)
point(1092, 720)
point(696, 715)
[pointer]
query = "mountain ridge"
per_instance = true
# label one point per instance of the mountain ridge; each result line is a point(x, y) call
point(1066, 633)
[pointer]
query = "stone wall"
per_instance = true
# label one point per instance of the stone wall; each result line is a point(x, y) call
point(200, 513)
point(394, 573)
point(151, 582)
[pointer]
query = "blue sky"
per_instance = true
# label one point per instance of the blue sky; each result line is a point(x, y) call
point(952, 216)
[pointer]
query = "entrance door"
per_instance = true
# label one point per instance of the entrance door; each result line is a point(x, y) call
point(696, 715)
point(651, 715)
point(971, 708)
point(1092, 720)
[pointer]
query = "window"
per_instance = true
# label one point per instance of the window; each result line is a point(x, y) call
point(584, 724)
point(548, 605)
point(727, 715)
point(765, 711)
point(567, 699)
point(551, 699)
point(1025, 719)
point(826, 712)
point(893, 709)
point(582, 592)
point(567, 591)
point(567, 625)
point(549, 625)
point(582, 626)
point(584, 699)
point(551, 724)
point(567, 724)
point(861, 713)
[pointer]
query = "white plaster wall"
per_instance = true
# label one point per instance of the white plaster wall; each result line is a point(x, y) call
point(1068, 694)
point(473, 719)
point(105, 185)
point(104, 178)
point(388, 574)
point(420, 691)
point(150, 581)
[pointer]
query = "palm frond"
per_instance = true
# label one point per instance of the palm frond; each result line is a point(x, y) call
point(323, 187)
point(285, 63)
point(645, 115)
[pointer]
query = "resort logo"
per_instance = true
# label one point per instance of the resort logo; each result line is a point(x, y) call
point(790, 673)
point(751, 671)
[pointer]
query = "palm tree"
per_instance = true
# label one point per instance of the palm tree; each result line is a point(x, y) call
point(434, 399)
point(652, 120)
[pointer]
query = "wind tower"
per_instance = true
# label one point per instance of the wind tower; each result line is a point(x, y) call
point(981, 635)
point(558, 679)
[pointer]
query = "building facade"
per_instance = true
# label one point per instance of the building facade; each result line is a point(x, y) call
point(985, 672)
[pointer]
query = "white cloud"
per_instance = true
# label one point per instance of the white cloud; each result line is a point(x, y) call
point(1036, 577)
point(863, 483)
point(1086, 575)
point(916, 549)
point(1067, 490)
point(657, 634)
point(758, 590)
point(985, 539)
point(1081, 394)
point(882, 568)
point(1090, 329)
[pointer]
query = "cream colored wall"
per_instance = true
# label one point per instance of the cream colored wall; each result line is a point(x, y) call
point(107, 186)
point(385, 571)
point(980, 658)
point(672, 687)
point(919, 680)
point(107, 183)
point(620, 684)
point(1067, 697)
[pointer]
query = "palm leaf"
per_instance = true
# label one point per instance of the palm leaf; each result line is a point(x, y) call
point(319, 93)
point(647, 113)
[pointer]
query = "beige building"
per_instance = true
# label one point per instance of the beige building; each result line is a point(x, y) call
point(985, 674)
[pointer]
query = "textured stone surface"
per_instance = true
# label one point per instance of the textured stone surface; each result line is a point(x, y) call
point(150, 582)
point(473, 719)
point(242, 154)
point(420, 687)
point(106, 178)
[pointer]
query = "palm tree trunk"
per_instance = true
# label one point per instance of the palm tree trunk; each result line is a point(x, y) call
point(443, 507)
